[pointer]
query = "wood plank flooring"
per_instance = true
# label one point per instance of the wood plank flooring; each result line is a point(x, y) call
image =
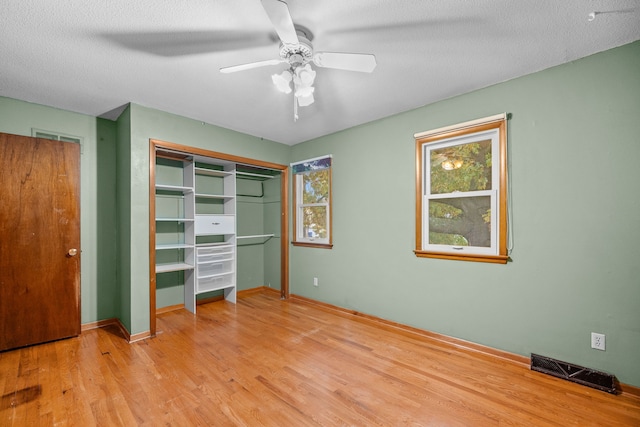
point(267, 362)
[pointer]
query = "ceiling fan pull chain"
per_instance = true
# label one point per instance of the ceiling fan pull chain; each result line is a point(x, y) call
point(295, 108)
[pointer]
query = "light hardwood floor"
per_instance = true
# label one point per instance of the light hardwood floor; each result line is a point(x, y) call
point(285, 363)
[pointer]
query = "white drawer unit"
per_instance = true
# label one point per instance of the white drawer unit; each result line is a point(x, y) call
point(219, 253)
point(214, 268)
point(216, 283)
point(209, 225)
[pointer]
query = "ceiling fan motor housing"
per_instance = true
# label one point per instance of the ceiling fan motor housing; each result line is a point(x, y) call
point(298, 54)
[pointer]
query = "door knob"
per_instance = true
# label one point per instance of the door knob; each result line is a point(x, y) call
point(72, 252)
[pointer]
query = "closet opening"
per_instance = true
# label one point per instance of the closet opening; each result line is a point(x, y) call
point(218, 226)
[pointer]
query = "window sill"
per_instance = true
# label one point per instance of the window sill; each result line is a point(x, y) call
point(495, 259)
point(313, 245)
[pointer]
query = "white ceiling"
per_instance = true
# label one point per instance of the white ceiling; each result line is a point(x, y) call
point(93, 57)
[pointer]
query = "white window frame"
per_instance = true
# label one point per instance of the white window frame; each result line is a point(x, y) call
point(300, 239)
point(493, 129)
point(57, 136)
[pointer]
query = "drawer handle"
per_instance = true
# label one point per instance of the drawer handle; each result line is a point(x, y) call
point(215, 223)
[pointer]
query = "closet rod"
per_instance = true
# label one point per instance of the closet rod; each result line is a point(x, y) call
point(253, 237)
point(255, 174)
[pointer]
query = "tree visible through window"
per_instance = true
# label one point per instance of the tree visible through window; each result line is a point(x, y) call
point(461, 194)
point(315, 201)
point(312, 190)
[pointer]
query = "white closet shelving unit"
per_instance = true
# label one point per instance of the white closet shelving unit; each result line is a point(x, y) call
point(215, 232)
point(196, 226)
point(197, 241)
point(175, 242)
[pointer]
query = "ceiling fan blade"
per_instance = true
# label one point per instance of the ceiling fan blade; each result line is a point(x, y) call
point(435, 27)
point(182, 43)
point(280, 17)
point(363, 62)
point(251, 65)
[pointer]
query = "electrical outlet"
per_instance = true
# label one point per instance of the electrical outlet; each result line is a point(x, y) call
point(597, 341)
point(315, 281)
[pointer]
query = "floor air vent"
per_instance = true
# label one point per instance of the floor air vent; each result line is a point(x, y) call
point(577, 374)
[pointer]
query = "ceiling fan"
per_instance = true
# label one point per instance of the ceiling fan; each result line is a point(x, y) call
point(297, 51)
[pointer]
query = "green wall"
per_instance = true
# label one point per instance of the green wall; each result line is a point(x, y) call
point(574, 149)
point(272, 210)
point(99, 291)
point(107, 291)
point(249, 222)
point(125, 249)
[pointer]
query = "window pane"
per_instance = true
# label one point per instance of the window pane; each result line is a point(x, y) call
point(46, 136)
point(311, 165)
point(315, 187)
point(461, 221)
point(69, 139)
point(314, 222)
point(465, 167)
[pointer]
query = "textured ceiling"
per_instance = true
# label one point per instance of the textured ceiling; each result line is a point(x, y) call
point(93, 57)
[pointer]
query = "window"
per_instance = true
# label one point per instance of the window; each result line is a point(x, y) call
point(56, 136)
point(312, 192)
point(461, 174)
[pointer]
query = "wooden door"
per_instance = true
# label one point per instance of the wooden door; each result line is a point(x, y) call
point(39, 240)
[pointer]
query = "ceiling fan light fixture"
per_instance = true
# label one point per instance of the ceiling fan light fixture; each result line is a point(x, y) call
point(305, 99)
point(283, 81)
point(304, 91)
point(304, 75)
